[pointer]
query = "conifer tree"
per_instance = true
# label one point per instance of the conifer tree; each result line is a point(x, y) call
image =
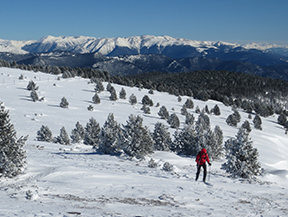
point(136, 140)
point(161, 137)
point(44, 134)
point(64, 103)
point(184, 110)
point(174, 121)
point(189, 104)
point(113, 95)
point(78, 133)
point(92, 131)
point(189, 119)
point(257, 122)
point(147, 101)
point(110, 136)
point(96, 99)
point(63, 138)
point(163, 112)
point(186, 141)
point(216, 147)
point(122, 94)
point(246, 125)
point(99, 86)
point(242, 158)
point(34, 96)
point(12, 154)
point(132, 99)
point(32, 86)
point(216, 110)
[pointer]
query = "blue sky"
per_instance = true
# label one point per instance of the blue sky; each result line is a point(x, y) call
point(212, 20)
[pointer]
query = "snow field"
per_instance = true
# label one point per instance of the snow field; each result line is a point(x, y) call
point(73, 180)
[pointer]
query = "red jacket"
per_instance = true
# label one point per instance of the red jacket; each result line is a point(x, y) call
point(202, 157)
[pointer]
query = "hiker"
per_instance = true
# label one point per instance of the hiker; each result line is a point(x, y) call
point(201, 159)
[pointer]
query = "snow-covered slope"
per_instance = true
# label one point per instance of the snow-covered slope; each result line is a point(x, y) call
point(74, 181)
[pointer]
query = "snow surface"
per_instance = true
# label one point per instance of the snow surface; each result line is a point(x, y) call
point(75, 181)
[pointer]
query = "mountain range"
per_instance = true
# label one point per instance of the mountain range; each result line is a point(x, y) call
point(140, 54)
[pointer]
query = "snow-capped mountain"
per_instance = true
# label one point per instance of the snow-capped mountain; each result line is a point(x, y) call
point(145, 44)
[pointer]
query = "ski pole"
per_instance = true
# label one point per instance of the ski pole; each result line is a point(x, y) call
point(209, 173)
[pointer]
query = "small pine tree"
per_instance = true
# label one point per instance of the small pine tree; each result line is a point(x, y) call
point(78, 133)
point(242, 158)
point(163, 112)
point(113, 95)
point(44, 134)
point(216, 146)
point(63, 138)
point(96, 99)
point(161, 137)
point(184, 110)
point(32, 86)
point(64, 103)
point(132, 99)
point(99, 86)
point(216, 110)
point(282, 119)
point(152, 163)
point(189, 104)
point(136, 140)
point(110, 136)
point(174, 121)
point(122, 94)
point(146, 109)
point(246, 125)
point(92, 131)
point(189, 119)
point(147, 101)
point(12, 154)
point(232, 120)
point(257, 122)
point(34, 96)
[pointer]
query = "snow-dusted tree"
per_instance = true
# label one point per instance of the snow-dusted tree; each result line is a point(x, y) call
point(216, 110)
point(215, 147)
point(246, 125)
point(132, 99)
point(152, 163)
point(163, 112)
point(34, 96)
point(146, 109)
point(78, 133)
point(136, 140)
point(186, 141)
point(122, 94)
point(110, 136)
point(108, 87)
point(189, 104)
point(12, 154)
point(282, 119)
point(161, 137)
point(92, 131)
point(96, 99)
point(242, 158)
point(179, 99)
point(189, 119)
point(44, 134)
point(90, 108)
point(203, 122)
point(99, 86)
point(64, 103)
point(63, 138)
point(184, 110)
point(197, 110)
point(167, 167)
point(232, 120)
point(174, 121)
point(257, 122)
point(113, 93)
point(147, 101)
point(32, 86)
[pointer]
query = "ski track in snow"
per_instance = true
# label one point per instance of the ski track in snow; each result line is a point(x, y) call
point(75, 181)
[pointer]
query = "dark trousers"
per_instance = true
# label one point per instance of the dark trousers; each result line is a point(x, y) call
point(199, 169)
